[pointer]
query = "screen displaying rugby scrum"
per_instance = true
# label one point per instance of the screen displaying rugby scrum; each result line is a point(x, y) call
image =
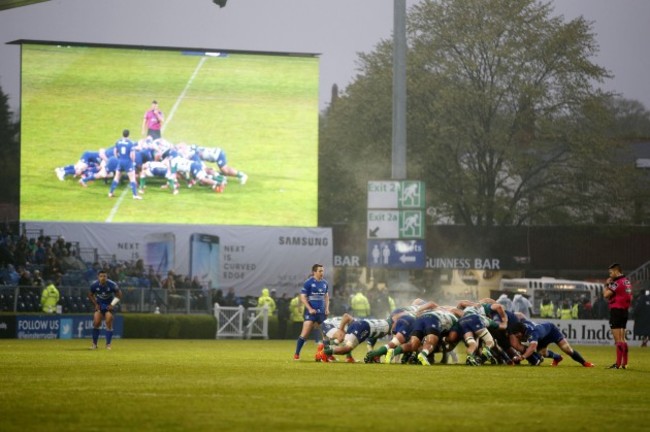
point(126, 134)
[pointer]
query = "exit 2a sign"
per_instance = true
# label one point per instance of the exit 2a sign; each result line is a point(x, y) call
point(396, 224)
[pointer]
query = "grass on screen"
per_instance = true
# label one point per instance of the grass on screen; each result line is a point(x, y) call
point(261, 109)
point(181, 385)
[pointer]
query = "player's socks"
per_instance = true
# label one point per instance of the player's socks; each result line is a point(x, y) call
point(398, 350)
point(113, 186)
point(299, 344)
point(619, 353)
point(380, 351)
point(134, 188)
point(95, 335)
point(551, 354)
point(69, 170)
point(328, 351)
point(625, 351)
point(109, 336)
point(577, 357)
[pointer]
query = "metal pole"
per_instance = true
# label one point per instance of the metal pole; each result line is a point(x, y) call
point(399, 91)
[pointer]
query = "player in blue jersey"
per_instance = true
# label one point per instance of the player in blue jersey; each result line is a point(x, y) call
point(434, 328)
point(402, 322)
point(141, 156)
point(503, 338)
point(157, 169)
point(431, 325)
point(315, 296)
point(502, 332)
point(87, 160)
point(474, 328)
point(358, 330)
point(106, 169)
point(539, 337)
point(126, 157)
point(199, 174)
point(105, 295)
point(106, 153)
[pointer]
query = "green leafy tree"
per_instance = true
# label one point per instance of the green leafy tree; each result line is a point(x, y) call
point(505, 124)
point(632, 120)
point(9, 155)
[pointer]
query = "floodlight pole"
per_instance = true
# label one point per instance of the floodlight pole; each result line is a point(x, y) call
point(398, 171)
point(398, 167)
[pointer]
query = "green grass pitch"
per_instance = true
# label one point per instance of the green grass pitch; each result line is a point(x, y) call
point(209, 385)
point(261, 109)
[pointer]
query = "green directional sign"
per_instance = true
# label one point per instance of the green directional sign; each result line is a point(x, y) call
point(411, 224)
point(396, 224)
point(396, 194)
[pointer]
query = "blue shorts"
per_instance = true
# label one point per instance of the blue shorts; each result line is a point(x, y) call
point(318, 317)
point(470, 324)
point(426, 325)
point(221, 160)
point(554, 336)
point(125, 165)
point(103, 308)
point(159, 172)
point(360, 329)
point(404, 325)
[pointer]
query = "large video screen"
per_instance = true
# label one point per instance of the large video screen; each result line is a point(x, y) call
point(238, 138)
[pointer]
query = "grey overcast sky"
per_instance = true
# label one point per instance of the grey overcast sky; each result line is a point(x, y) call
point(336, 29)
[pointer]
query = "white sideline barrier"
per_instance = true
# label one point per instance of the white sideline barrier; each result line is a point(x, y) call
point(239, 322)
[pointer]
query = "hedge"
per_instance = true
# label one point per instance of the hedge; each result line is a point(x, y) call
point(169, 326)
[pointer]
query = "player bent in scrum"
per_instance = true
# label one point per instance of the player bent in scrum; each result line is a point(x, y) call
point(199, 174)
point(358, 330)
point(501, 333)
point(156, 169)
point(403, 320)
point(474, 325)
point(106, 169)
point(334, 334)
point(432, 324)
point(88, 159)
point(218, 156)
point(539, 337)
